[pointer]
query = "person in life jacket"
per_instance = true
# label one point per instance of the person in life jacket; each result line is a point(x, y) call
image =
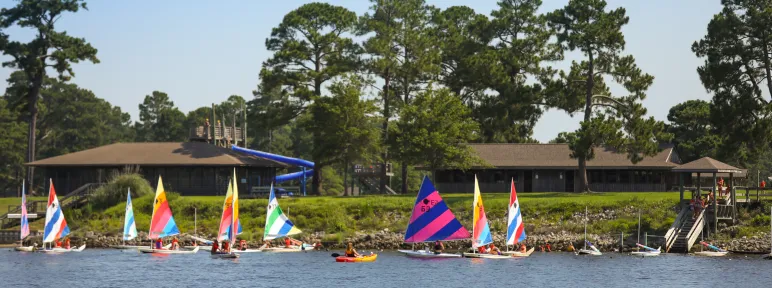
point(438, 247)
point(482, 249)
point(215, 246)
point(58, 244)
point(225, 247)
point(548, 247)
point(175, 244)
point(243, 245)
point(158, 243)
point(522, 248)
point(266, 244)
point(350, 251)
point(67, 243)
point(287, 242)
point(494, 250)
point(570, 247)
point(318, 246)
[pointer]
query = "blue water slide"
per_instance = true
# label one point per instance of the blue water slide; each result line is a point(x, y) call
point(293, 176)
point(271, 156)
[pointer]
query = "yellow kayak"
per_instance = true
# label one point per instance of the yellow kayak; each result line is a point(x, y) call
point(366, 258)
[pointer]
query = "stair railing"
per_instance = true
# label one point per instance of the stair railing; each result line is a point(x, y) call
point(695, 230)
point(672, 234)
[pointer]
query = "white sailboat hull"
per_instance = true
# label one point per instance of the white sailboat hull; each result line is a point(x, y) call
point(519, 254)
point(202, 248)
point(231, 255)
point(647, 253)
point(63, 250)
point(588, 252)
point(284, 249)
point(711, 253)
point(24, 248)
point(427, 254)
point(487, 256)
point(167, 251)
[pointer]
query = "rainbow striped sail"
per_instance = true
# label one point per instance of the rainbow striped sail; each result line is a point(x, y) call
point(515, 226)
point(162, 222)
point(56, 225)
point(228, 208)
point(235, 223)
point(277, 224)
point(129, 227)
point(481, 231)
point(431, 219)
point(24, 221)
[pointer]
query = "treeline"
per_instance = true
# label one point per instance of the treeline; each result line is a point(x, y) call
point(409, 83)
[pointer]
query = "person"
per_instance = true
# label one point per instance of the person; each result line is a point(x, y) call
point(548, 247)
point(225, 247)
point(266, 244)
point(243, 245)
point(763, 184)
point(175, 244)
point(494, 250)
point(318, 246)
point(159, 243)
point(287, 242)
point(58, 243)
point(67, 243)
point(350, 251)
point(570, 247)
point(215, 246)
point(482, 249)
point(541, 248)
point(438, 247)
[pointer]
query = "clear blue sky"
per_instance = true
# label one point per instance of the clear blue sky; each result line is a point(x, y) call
point(200, 52)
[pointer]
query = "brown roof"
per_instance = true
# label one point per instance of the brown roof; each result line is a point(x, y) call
point(557, 156)
point(707, 164)
point(157, 154)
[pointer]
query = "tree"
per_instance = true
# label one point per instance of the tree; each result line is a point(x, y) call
point(160, 121)
point(49, 48)
point(738, 71)
point(513, 67)
point(198, 117)
point(436, 128)
point(11, 146)
point(341, 126)
point(310, 49)
point(693, 132)
point(585, 25)
point(563, 138)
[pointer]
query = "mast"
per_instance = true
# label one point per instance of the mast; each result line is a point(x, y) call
point(639, 226)
point(195, 221)
point(585, 227)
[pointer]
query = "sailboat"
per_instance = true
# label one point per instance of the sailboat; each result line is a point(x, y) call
point(162, 223)
point(584, 251)
point(56, 225)
point(431, 221)
point(278, 225)
point(481, 230)
point(713, 252)
point(229, 222)
point(647, 251)
point(24, 227)
point(129, 227)
point(515, 225)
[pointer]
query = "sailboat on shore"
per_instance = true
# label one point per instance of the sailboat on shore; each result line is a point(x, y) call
point(646, 250)
point(481, 230)
point(584, 251)
point(162, 223)
point(24, 227)
point(515, 225)
point(430, 221)
point(278, 225)
point(56, 225)
point(129, 226)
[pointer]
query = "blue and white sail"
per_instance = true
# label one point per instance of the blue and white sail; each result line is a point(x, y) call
point(277, 224)
point(129, 227)
point(56, 225)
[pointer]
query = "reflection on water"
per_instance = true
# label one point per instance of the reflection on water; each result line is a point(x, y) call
point(113, 268)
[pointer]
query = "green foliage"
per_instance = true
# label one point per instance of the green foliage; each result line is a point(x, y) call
point(160, 120)
point(114, 192)
point(738, 72)
point(11, 146)
point(585, 25)
point(332, 182)
point(432, 132)
point(693, 133)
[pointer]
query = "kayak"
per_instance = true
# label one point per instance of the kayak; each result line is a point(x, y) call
point(427, 254)
point(366, 258)
point(518, 253)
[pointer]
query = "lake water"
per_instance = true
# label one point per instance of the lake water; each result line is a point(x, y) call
point(113, 268)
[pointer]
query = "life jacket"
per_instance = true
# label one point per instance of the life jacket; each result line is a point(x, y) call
point(243, 244)
point(350, 252)
point(522, 248)
point(58, 243)
point(158, 244)
point(225, 246)
point(67, 244)
point(481, 249)
point(437, 247)
point(287, 242)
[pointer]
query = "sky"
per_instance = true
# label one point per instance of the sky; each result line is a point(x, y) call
point(200, 52)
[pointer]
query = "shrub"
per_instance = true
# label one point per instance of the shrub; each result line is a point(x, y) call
point(115, 190)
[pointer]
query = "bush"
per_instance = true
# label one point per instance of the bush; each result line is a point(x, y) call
point(114, 191)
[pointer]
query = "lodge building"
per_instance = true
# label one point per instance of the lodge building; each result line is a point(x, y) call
point(549, 168)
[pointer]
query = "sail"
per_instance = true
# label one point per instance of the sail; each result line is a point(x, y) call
point(56, 225)
point(515, 226)
point(227, 214)
point(235, 219)
point(162, 222)
point(24, 221)
point(481, 231)
point(431, 219)
point(129, 227)
point(277, 224)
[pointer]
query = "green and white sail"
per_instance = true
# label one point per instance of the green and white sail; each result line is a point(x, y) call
point(277, 224)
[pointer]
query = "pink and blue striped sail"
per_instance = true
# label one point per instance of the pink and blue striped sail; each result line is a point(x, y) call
point(24, 220)
point(56, 226)
point(431, 219)
point(515, 226)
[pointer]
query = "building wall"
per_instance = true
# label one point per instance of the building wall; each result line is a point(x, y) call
point(184, 180)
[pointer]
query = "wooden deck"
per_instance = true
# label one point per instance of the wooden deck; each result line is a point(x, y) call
point(200, 133)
